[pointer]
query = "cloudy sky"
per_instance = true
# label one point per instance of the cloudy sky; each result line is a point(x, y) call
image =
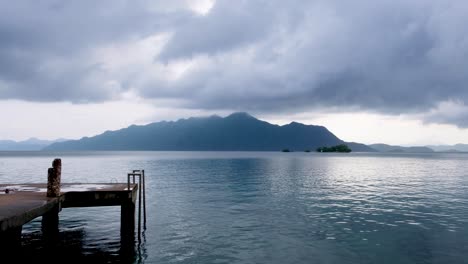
point(393, 71)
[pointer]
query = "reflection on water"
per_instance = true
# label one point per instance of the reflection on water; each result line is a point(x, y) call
point(81, 240)
point(237, 207)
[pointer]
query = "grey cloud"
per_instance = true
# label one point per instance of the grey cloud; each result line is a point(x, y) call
point(381, 56)
point(448, 113)
point(388, 56)
point(35, 33)
point(229, 24)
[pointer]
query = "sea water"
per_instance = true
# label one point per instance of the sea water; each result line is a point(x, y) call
point(263, 207)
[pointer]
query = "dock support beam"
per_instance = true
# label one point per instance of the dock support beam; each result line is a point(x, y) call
point(127, 227)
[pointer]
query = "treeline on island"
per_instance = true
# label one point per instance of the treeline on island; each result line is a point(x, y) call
point(338, 148)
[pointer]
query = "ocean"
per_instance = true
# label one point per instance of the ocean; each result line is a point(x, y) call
point(263, 207)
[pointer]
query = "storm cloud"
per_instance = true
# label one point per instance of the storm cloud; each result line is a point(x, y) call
point(392, 57)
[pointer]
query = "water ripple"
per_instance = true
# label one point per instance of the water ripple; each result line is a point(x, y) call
point(209, 207)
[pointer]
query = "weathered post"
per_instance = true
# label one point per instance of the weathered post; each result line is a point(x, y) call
point(53, 178)
point(50, 220)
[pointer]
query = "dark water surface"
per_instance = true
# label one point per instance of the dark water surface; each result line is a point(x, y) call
point(250, 207)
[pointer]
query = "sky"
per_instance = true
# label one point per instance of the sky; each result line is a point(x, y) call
point(390, 71)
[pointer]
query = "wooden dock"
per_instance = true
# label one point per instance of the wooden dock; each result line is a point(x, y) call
point(21, 203)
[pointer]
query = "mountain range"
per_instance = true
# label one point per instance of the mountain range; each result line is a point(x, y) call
point(236, 132)
point(450, 148)
point(26, 145)
point(390, 148)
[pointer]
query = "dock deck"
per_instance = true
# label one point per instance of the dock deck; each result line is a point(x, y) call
point(21, 203)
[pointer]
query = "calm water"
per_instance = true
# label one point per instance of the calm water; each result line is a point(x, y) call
point(241, 207)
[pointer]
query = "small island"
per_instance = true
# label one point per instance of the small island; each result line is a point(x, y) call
point(338, 148)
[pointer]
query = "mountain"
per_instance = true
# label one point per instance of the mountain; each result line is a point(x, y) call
point(236, 132)
point(26, 145)
point(390, 148)
point(450, 148)
point(359, 147)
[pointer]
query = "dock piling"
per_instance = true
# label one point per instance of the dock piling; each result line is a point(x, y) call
point(50, 226)
point(50, 220)
point(53, 178)
point(127, 223)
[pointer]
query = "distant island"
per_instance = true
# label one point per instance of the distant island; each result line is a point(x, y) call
point(236, 132)
point(338, 148)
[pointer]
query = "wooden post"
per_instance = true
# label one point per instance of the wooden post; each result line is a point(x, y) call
point(50, 220)
point(53, 178)
point(127, 225)
point(50, 226)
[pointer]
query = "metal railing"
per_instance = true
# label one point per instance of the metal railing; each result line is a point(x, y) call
point(141, 192)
